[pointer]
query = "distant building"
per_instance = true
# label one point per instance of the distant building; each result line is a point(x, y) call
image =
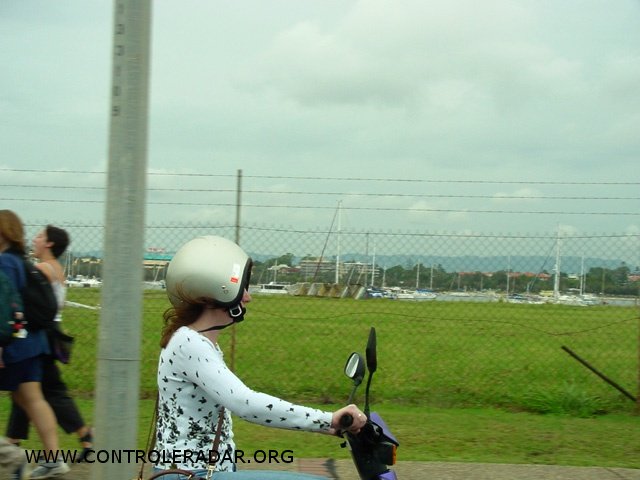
point(155, 263)
point(310, 266)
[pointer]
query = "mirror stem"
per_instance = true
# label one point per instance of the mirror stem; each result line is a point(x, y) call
point(353, 393)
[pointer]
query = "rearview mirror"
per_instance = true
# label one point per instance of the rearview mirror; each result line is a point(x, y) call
point(354, 369)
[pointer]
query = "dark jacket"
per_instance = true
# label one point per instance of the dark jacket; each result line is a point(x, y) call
point(36, 342)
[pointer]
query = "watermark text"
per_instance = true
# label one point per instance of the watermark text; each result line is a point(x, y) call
point(156, 457)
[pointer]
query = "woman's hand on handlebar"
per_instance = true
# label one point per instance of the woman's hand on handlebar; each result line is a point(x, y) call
point(349, 419)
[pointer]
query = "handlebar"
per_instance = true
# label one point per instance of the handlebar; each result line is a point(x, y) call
point(346, 421)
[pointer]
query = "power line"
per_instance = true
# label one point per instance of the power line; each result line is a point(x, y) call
point(434, 210)
point(333, 194)
point(417, 180)
point(553, 236)
point(340, 179)
point(320, 207)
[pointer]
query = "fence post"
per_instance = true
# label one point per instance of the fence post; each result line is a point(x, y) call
point(237, 239)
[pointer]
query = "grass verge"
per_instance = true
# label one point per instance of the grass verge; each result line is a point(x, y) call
point(432, 434)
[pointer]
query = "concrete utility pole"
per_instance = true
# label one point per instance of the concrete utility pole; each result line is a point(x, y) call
point(118, 363)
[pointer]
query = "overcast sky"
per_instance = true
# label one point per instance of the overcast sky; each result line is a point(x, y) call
point(465, 107)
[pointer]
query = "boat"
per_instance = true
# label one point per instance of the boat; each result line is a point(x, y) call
point(524, 298)
point(589, 299)
point(581, 298)
point(419, 294)
point(83, 282)
point(271, 288)
point(404, 295)
point(584, 300)
point(424, 294)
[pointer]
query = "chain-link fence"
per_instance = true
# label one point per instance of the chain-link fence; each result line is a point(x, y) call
point(537, 322)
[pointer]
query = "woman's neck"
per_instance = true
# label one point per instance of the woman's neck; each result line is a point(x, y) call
point(211, 317)
point(48, 257)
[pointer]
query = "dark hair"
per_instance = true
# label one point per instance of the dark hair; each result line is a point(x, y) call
point(59, 238)
point(12, 231)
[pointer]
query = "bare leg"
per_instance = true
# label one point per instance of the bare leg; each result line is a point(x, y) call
point(29, 397)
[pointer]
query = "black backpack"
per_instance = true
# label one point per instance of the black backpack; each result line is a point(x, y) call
point(40, 304)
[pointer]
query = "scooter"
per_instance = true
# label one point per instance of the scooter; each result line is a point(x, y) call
point(373, 449)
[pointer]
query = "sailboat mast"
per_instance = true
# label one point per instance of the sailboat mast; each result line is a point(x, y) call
point(373, 266)
point(338, 244)
point(556, 278)
point(431, 278)
point(508, 270)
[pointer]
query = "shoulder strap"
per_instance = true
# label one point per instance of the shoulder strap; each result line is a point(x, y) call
point(216, 443)
point(151, 436)
point(216, 440)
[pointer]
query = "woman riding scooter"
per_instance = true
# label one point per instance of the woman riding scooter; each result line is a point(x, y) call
point(207, 283)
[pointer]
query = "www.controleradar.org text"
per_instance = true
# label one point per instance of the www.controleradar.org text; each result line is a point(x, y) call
point(161, 456)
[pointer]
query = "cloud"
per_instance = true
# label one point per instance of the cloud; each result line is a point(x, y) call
point(517, 197)
point(449, 90)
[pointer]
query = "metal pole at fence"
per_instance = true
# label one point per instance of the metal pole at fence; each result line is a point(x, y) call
point(237, 239)
point(118, 362)
point(238, 205)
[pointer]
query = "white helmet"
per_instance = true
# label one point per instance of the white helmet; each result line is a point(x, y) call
point(209, 269)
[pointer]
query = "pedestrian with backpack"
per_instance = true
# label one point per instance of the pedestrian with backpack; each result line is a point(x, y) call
point(21, 373)
point(48, 245)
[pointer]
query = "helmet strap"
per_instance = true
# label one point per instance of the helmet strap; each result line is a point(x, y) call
point(237, 315)
point(216, 327)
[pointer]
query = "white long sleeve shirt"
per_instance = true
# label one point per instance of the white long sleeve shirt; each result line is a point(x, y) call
point(193, 384)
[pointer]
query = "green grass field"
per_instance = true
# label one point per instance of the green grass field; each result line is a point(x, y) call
point(456, 381)
point(439, 354)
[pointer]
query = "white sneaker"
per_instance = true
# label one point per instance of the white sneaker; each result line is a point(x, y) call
point(49, 470)
point(11, 456)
